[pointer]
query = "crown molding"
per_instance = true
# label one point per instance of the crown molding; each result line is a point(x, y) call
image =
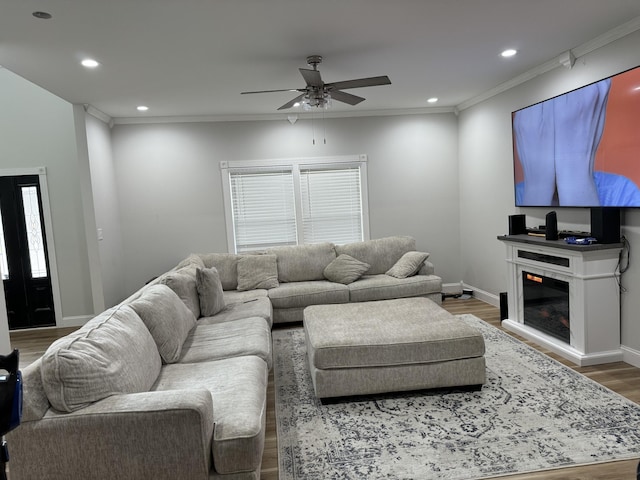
point(281, 116)
point(99, 114)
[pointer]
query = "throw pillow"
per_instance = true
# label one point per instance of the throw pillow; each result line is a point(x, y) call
point(345, 269)
point(257, 271)
point(183, 282)
point(209, 291)
point(111, 354)
point(167, 318)
point(408, 264)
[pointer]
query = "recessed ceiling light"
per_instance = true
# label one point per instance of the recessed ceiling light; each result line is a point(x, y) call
point(42, 15)
point(89, 63)
point(432, 100)
point(510, 52)
point(142, 108)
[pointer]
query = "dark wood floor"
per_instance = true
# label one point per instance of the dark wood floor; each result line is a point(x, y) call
point(619, 377)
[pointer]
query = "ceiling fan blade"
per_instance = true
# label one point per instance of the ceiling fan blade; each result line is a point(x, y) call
point(270, 91)
point(345, 97)
point(312, 77)
point(359, 82)
point(292, 102)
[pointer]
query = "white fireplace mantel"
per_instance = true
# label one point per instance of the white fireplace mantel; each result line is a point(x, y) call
point(594, 295)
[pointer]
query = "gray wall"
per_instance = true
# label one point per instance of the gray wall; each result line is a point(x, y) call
point(486, 184)
point(37, 129)
point(170, 188)
point(107, 210)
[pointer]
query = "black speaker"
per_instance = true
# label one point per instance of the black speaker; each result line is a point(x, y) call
point(551, 226)
point(517, 225)
point(605, 224)
point(504, 306)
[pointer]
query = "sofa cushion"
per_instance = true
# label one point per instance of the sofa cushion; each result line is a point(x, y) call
point(238, 388)
point(111, 354)
point(256, 307)
point(299, 263)
point(302, 294)
point(246, 336)
point(381, 253)
point(210, 292)
point(183, 282)
point(345, 269)
point(257, 271)
point(227, 266)
point(408, 265)
point(384, 287)
point(168, 319)
point(234, 296)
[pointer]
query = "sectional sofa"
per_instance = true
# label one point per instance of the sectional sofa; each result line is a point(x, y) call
point(172, 382)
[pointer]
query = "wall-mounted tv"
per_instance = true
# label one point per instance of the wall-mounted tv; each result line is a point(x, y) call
point(582, 148)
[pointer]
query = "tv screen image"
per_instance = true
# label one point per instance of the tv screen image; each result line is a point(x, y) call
point(581, 148)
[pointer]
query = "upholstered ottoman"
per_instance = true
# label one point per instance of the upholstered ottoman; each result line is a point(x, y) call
point(388, 346)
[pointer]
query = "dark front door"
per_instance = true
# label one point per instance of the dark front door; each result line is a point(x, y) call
point(23, 254)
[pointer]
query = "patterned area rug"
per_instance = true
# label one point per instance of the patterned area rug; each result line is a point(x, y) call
point(533, 414)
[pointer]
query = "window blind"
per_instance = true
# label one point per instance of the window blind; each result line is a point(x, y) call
point(263, 207)
point(331, 204)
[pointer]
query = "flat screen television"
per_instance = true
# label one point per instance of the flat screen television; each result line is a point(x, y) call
point(581, 148)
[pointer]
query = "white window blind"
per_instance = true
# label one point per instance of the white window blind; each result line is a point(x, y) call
point(331, 204)
point(263, 205)
point(294, 201)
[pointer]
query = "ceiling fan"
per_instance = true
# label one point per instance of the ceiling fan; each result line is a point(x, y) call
point(319, 94)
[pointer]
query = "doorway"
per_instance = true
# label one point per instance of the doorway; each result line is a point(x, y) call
point(24, 260)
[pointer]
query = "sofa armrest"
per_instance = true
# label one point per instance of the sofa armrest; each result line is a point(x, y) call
point(427, 268)
point(164, 434)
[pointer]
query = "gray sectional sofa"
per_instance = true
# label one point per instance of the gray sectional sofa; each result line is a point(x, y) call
point(172, 382)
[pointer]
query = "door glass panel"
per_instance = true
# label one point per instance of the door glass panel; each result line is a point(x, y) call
point(34, 232)
point(3, 253)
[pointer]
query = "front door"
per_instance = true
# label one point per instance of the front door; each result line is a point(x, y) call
point(23, 254)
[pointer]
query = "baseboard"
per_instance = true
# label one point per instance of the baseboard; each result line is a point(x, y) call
point(630, 356)
point(486, 297)
point(76, 321)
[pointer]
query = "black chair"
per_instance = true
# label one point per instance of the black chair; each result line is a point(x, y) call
point(10, 402)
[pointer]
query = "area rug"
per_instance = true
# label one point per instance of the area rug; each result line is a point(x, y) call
point(533, 414)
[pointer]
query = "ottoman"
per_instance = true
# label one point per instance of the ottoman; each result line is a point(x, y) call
point(389, 346)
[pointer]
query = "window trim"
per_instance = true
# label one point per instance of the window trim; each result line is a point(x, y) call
point(227, 167)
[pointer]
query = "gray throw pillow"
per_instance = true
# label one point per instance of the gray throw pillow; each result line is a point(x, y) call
point(183, 282)
point(167, 318)
point(111, 354)
point(209, 291)
point(408, 264)
point(257, 271)
point(345, 269)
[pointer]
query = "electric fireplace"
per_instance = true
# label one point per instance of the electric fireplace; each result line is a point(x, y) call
point(565, 297)
point(546, 305)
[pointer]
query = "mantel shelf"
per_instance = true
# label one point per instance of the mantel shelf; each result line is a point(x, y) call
point(541, 241)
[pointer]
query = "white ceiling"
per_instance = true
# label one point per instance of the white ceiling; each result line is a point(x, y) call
point(194, 57)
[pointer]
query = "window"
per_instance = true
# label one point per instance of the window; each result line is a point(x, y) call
point(286, 202)
point(263, 209)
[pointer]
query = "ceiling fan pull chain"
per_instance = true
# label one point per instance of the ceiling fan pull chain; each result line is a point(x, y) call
point(324, 128)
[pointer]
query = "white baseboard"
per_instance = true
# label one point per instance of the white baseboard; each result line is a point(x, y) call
point(76, 321)
point(630, 356)
point(456, 288)
point(486, 297)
